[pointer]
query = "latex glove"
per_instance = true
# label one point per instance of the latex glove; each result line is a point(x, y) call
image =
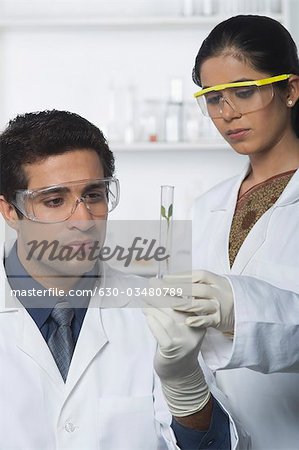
point(213, 303)
point(176, 361)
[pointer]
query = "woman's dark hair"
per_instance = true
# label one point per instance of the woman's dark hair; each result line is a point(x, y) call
point(35, 136)
point(260, 41)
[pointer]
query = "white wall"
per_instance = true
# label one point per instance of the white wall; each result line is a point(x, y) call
point(190, 172)
point(71, 68)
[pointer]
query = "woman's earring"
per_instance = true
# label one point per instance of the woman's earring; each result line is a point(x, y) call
point(290, 102)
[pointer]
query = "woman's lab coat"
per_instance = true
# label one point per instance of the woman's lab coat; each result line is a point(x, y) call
point(112, 399)
point(265, 282)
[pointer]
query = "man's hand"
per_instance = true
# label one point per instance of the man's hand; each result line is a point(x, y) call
point(212, 303)
point(176, 360)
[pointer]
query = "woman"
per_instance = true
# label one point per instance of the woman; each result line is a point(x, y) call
point(247, 228)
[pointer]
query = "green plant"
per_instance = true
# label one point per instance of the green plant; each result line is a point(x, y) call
point(169, 213)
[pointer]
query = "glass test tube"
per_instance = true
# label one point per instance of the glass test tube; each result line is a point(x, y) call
point(166, 225)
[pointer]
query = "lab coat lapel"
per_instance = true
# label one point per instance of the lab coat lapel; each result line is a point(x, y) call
point(28, 339)
point(290, 194)
point(222, 214)
point(31, 342)
point(222, 222)
point(92, 339)
point(252, 243)
point(258, 233)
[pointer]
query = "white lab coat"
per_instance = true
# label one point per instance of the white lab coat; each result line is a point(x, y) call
point(112, 399)
point(265, 282)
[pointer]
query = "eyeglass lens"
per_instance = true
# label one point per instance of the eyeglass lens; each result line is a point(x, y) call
point(243, 100)
point(59, 203)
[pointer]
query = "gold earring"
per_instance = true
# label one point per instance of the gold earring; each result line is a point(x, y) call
point(290, 102)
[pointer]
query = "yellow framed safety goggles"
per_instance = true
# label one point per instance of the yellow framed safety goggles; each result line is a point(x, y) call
point(241, 97)
point(262, 82)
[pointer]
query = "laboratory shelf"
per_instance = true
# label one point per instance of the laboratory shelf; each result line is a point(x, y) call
point(101, 22)
point(169, 147)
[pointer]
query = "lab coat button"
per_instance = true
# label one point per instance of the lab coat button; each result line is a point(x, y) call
point(69, 427)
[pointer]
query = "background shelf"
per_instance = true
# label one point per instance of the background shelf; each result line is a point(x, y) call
point(169, 147)
point(115, 22)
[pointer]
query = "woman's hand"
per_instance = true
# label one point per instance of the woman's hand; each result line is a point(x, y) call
point(209, 299)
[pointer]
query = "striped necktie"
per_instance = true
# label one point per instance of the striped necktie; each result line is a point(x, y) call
point(61, 342)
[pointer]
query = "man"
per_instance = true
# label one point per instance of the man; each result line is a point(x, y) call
point(76, 371)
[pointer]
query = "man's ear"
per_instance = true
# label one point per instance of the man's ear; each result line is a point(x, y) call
point(9, 213)
point(293, 91)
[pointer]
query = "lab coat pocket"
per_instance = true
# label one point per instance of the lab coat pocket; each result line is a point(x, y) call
point(127, 423)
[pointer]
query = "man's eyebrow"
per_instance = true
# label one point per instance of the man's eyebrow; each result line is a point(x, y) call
point(53, 190)
point(66, 189)
point(94, 184)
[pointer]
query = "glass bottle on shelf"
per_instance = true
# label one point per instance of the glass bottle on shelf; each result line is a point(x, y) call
point(129, 114)
point(187, 8)
point(174, 112)
point(192, 120)
point(205, 7)
point(151, 121)
point(114, 131)
point(276, 6)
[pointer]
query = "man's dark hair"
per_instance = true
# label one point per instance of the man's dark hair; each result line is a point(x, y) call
point(35, 136)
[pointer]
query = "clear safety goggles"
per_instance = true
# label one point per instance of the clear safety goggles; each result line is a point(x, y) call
point(57, 203)
point(242, 97)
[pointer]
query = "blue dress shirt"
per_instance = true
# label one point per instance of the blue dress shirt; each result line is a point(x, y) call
point(217, 437)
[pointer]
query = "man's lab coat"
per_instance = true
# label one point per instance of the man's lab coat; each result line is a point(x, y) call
point(265, 281)
point(112, 399)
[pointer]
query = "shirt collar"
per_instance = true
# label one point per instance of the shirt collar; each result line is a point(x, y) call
point(19, 279)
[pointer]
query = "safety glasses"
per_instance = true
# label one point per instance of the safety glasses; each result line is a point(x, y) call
point(242, 96)
point(53, 204)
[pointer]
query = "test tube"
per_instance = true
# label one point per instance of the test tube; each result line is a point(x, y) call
point(166, 225)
